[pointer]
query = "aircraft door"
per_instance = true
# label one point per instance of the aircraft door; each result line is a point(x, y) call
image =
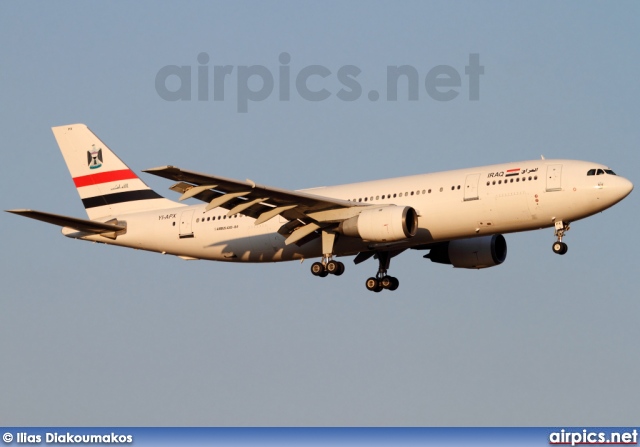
point(186, 229)
point(554, 177)
point(471, 187)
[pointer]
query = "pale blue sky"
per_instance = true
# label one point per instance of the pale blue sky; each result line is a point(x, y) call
point(97, 335)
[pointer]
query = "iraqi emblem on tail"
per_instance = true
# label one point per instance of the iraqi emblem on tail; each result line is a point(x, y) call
point(94, 157)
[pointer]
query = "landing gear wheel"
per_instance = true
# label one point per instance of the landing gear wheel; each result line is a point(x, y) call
point(389, 282)
point(323, 269)
point(317, 269)
point(560, 248)
point(335, 268)
point(382, 280)
point(561, 228)
point(373, 284)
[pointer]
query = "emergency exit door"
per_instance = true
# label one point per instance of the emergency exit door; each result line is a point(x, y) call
point(186, 229)
point(554, 177)
point(471, 187)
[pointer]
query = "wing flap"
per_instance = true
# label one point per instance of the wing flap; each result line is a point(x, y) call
point(195, 190)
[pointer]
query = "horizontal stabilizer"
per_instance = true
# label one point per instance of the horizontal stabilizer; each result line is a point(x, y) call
point(87, 226)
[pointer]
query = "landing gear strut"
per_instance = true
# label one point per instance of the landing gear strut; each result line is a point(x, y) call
point(560, 247)
point(382, 280)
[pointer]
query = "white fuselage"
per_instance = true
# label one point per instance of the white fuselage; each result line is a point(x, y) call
point(451, 205)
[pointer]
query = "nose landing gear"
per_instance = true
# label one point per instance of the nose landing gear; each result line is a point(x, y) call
point(560, 247)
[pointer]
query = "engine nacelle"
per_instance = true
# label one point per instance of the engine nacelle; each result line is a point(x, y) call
point(384, 224)
point(475, 253)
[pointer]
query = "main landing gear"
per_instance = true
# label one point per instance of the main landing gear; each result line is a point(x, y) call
point(382, 280)
point(560, 247)
point(326, 267)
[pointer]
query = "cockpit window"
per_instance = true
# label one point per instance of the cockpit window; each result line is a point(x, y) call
point(600, 172)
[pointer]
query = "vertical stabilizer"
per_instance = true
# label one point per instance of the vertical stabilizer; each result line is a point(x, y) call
point(105, 184)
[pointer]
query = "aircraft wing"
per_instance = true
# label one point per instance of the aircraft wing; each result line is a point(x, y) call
point(106, 229)
point(261, 202)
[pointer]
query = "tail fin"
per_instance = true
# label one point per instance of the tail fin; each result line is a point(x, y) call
point(105, 184)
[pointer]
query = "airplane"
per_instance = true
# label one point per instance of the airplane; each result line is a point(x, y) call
point(460, 216)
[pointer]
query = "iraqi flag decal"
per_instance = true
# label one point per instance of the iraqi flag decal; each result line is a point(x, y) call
point(512, 172)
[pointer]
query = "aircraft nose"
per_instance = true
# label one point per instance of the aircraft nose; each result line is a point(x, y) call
point(625, 187)
point(620, 189)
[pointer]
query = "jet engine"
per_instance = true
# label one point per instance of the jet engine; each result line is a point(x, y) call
point(475, 253)
point(384, 224)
